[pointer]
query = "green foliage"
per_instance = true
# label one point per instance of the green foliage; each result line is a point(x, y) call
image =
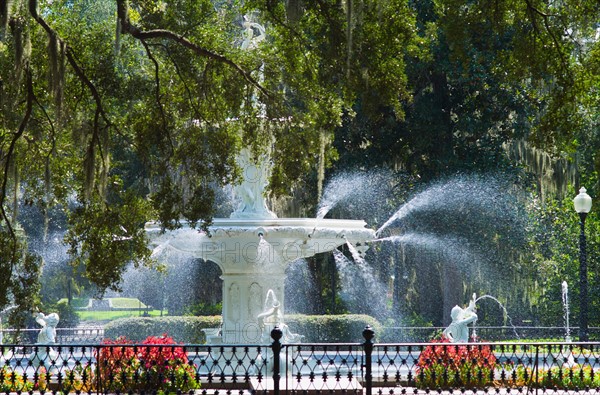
point(184, 329)
point(78, 379)
point(116, 314)
point(68, 315)
point(19, 275)
point(104, 239)
point(554, 248)
point(11, 381)
point(561, 378)
point(77, 303)
point(205, 309)
point(117, 129)
point(187, 329)
point(344, 328)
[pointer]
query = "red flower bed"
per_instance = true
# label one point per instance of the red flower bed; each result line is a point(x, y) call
point(452, 365)
point(156, 364)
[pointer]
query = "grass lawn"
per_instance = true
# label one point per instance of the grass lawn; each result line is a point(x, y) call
point(76, 302)
point(113, 315)
point(127, 303)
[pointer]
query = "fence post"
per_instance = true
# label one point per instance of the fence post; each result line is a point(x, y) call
point(537, 369)
point(368, 334)
point(276, 335)
point(98, 367)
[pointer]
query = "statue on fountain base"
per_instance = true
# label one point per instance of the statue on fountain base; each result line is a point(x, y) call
point(458, 330)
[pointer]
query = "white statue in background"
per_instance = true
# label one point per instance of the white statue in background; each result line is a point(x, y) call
point(272, 317)
point(458, 330)
point(48, 322)
point(46, 336)
point(249, 40)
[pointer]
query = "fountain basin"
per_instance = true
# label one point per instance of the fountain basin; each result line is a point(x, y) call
point(263, 242)
point(253, 255)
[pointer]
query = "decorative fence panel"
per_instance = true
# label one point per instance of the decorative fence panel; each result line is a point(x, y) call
point(304, 369)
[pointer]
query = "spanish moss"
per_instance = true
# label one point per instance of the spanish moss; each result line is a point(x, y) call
point(89, 164)
point(56, 52)
point(5, 6)
point(554, 174)
point(22, 46)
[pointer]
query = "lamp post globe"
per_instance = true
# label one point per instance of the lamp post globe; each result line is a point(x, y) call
point(583, 205)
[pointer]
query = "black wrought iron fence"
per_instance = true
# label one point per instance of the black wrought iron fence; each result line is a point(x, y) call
point(79, 335)
point(349, 368)
point(403, 334)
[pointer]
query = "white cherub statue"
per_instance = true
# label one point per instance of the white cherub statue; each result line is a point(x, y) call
point(458, 331)
point(46, 336)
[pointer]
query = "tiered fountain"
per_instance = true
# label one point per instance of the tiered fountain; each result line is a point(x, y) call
point(253, 248)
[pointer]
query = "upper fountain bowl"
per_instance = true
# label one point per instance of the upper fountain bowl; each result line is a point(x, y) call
point(263, 242)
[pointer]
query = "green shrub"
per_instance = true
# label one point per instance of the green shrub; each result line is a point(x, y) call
point(183, 329)
point(77, 303)
point(343, 328)
point(559, 377)
point(68, 315)
point(204, 309)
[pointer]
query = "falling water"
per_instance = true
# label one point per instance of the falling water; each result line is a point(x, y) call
point(455, 249)
point(354, 187)
point(357, 279)
point(300, 288)
point(356, 255)
point(468, 197)
point(503, 311)
point(160, 250)
point(565, 301)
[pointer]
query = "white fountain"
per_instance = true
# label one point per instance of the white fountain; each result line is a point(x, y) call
point(253, 248)
point(565, 301)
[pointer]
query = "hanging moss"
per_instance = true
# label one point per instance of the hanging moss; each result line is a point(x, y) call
point(89, 165)
point(5, 7)
point(105, 164)
point(47, 196)
point(22, 45)
point(554, 174)
point(56, 54)
point(14, 169)
point(118, 37)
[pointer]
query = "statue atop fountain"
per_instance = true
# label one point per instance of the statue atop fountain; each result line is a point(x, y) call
point(250, 40)
point(458, 330)
point(251, 191)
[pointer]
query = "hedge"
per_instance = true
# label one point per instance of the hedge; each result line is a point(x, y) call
point(346, 328)
point(183, 329)
point(343, 328)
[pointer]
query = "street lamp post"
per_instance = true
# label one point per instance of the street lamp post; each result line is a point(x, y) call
point(583, 205)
